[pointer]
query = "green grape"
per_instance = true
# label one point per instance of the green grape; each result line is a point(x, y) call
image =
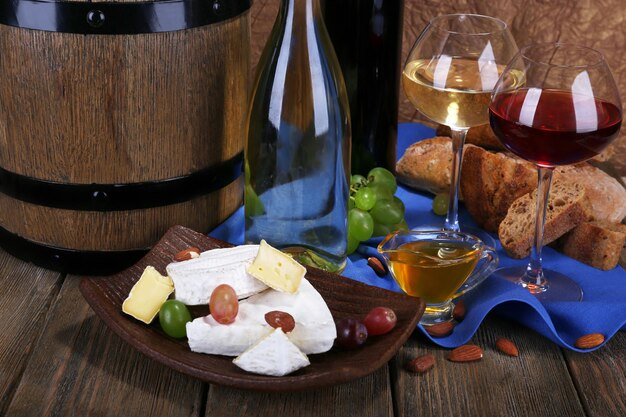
point(353, 243)
point(357, 181)
point(381, 229)
point(381, 191)
point(360, 224)
point(399, 203)
point(440, 204)
point(253, 205)
point(380, 175)
point(365, 198)
point(351, 204)
point(400, 226)
point(386, 212)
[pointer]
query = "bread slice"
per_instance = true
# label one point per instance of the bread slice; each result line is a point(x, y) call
point(568, 207)
point(598, 244)
point(426, 165)
point(606, 195)
point(490, 182)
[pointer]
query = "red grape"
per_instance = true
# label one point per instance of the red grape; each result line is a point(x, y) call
point(224, 304)
point(380, 320)
point(351, 333)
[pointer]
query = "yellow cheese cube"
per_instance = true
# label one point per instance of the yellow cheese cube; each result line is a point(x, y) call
point(276, 269)
point(148, 295)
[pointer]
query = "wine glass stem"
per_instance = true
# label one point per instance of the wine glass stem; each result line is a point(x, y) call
point(458, 140)
point(534, 279)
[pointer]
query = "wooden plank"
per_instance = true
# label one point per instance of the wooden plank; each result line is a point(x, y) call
point(81, 368)
point(536, 383)
point(600, 377)
point(27, 292)
point(369, 396)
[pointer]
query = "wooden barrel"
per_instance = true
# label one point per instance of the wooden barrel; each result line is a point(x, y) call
point(117, 121)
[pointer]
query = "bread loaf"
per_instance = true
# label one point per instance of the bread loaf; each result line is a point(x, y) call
point(605, 193)
point(598, 244)
point(427, 165)
point(568, 207)
point(480, 136)
point(490, 182)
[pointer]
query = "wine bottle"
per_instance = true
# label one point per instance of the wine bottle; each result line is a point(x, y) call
point(367, 36)
point(297, 152)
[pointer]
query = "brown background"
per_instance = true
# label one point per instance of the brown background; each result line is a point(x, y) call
point(600, 24)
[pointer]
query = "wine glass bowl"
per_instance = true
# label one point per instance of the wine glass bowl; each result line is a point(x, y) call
point(449, 75)
point(565, 109)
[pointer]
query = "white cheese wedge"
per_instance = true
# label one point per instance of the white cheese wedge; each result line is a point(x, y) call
point(273, 355)
point(276, 269)
point(195, 279)
point(314, 332)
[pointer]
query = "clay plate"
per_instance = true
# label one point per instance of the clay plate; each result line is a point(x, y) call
point(345, 298)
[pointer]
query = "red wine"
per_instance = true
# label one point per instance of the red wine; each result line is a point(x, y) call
point(367, 37)
point(549, 129)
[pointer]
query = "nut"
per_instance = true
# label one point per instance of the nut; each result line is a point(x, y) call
point(377, 266)
point(459, 311)
point(187, 254)
point(421, 364)
point(440, 329)
point(280, 319)
point(466, 353)
point(507, 347)
point(589, 341)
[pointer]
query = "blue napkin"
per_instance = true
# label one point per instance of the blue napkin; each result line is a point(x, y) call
point(603, 309)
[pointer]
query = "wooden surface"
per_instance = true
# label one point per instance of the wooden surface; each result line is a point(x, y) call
point(58, 359)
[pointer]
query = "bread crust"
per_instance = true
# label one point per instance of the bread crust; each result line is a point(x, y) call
point(426, 165)
point(597, 243)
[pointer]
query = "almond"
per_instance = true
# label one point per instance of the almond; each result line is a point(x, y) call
point(377, 266)
point(459, 311)
point(589, 341)
point(187, 254)
point(280, 319)
point(421, 364)
point(440, 329)
point(507, 347)
point(466, 353)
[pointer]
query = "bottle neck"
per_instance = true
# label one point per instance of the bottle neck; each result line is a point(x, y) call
point(301, 13)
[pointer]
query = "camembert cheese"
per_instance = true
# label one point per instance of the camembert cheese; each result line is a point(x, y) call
point(274, 355)
point(148, 295)
point(276, 269)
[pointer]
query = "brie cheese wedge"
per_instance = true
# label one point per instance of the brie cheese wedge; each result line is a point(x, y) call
point(195, 279)
point(314, 332)
point(273, 355)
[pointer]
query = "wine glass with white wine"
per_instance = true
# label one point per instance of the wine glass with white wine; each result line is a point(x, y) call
point(449, 75)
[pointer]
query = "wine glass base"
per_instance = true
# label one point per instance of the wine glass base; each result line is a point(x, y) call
point(560, 287)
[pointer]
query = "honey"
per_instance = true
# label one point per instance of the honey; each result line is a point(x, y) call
point(433, 269)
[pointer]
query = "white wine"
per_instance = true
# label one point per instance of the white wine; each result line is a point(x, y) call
point(297, 153)
point(452, 91)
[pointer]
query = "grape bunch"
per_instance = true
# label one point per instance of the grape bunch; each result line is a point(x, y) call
point(374, 210)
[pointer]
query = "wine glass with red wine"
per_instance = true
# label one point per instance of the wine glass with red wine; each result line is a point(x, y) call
point(564, 109)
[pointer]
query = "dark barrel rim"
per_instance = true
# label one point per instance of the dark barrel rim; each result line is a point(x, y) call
point(69, 261)
point(117, 197)
point(108, 18)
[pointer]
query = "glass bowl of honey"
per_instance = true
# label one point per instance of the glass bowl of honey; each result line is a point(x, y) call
point(437, 266)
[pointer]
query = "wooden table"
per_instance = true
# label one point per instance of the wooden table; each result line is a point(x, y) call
point(58, 359)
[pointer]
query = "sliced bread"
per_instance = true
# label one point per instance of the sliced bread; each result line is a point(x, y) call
point(568, 206)
point(598, 244)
